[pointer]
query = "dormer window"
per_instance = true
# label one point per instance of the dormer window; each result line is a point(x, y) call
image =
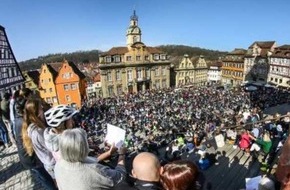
point(108, 59)
point(163, 57)
point(156, 56)
point(117, 59)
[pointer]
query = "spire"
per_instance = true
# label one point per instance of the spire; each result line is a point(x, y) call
point(134, 16)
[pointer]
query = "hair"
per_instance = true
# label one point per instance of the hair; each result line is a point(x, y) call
point(25, 92)
point(266, 184)
point(31, 115)
point(73, 145)
point(179, 175)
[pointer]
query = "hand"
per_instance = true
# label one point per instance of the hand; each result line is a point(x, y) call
point(113, 149)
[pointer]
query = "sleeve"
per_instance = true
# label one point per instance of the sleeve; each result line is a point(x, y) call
point(117, 175)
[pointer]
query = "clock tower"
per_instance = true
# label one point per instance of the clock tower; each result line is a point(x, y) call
point(133, 32)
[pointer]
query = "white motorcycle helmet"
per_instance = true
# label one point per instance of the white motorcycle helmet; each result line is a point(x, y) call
point(56, 115)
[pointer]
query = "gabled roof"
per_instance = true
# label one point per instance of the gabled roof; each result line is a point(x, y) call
point(263, 44)
point(216, 64)
point(34, 75)
point(76, 70)
point(52, 71)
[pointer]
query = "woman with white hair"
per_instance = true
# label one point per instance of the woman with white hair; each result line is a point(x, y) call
point(76, 171)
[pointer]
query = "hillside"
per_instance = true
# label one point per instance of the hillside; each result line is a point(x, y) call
point(180, 50)
point(76, 57)
point(93, 56)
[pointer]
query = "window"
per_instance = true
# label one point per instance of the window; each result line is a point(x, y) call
point(271, 78)
point(49, 80)
point(156, 71)
point(164, 83)
point(110, 90)
point(117, 59)
point(109, 76)
point(163, 71)
point(67, 98)
point(48, 100)
point(280, 81)
point(139, 74)
point(129, 58)
point(148, 73)
point(119, 89)
point(163, 57)
point(108, 59)
point(146, 58)
point(138, 58)
point(50, 89)
point(156, 56)
point(44, 90)
point(73, 86)
point(44, 70)
point(54, 99)
point(66, 87)
point(129, 75)
point(157, 84)
point(118, 75)
point(276, 80)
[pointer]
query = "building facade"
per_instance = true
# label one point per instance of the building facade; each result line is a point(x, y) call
point(279, 73)
point(31, 80)
point(233, 67)
point(70, 85)
point(46, 83)
point(214, 74)
point(11, 78)
point(256, 63)
point(191, 71)
point(134, 68)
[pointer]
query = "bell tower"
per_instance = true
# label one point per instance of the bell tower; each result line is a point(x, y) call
point(133, 32)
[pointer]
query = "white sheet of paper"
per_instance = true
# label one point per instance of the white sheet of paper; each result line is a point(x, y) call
point(253, 183)
point(115, 135)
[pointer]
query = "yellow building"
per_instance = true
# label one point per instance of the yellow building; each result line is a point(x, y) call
point(46, 84)
point(191, 71)
point(233, 67)
point(31, 80)
point(134, 68)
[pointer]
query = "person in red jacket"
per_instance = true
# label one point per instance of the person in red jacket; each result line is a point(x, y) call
point(245, 141)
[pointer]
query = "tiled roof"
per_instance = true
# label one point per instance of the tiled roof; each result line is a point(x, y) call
point(282, 51)
point(123, 50)
point(194, 60)
point(97, 78)
point(76, 70)
point(216, 64)
point(263, 44)
point(175, 60)
point(153, 50)
point(116, 51)
point(56, 66)
point(34, 75)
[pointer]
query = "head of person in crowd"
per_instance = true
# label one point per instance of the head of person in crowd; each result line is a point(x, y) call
point(146, 167)
point(73, 145)
point(6, 96)
point(33, 113)
point(60, 117)
point(266, 184)
point(180, 175)
point(25, 93)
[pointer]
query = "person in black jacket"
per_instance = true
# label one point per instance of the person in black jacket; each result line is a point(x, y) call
point(146, 172)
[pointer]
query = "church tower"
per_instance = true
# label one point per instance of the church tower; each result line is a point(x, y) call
point(133, 32)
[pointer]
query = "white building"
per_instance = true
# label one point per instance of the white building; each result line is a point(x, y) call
point(214, 74)
point(279, 73)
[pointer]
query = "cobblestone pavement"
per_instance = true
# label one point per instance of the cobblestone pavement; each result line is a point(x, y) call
point(12, 175)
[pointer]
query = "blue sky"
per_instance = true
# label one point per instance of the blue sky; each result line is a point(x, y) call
point(40, 27)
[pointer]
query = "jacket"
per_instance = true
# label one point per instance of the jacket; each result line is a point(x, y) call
point(87, 175)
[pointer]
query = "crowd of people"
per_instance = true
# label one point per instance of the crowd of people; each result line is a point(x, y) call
point(65, 148)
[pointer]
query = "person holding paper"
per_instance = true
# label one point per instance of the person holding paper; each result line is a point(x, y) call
point(75, 170)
